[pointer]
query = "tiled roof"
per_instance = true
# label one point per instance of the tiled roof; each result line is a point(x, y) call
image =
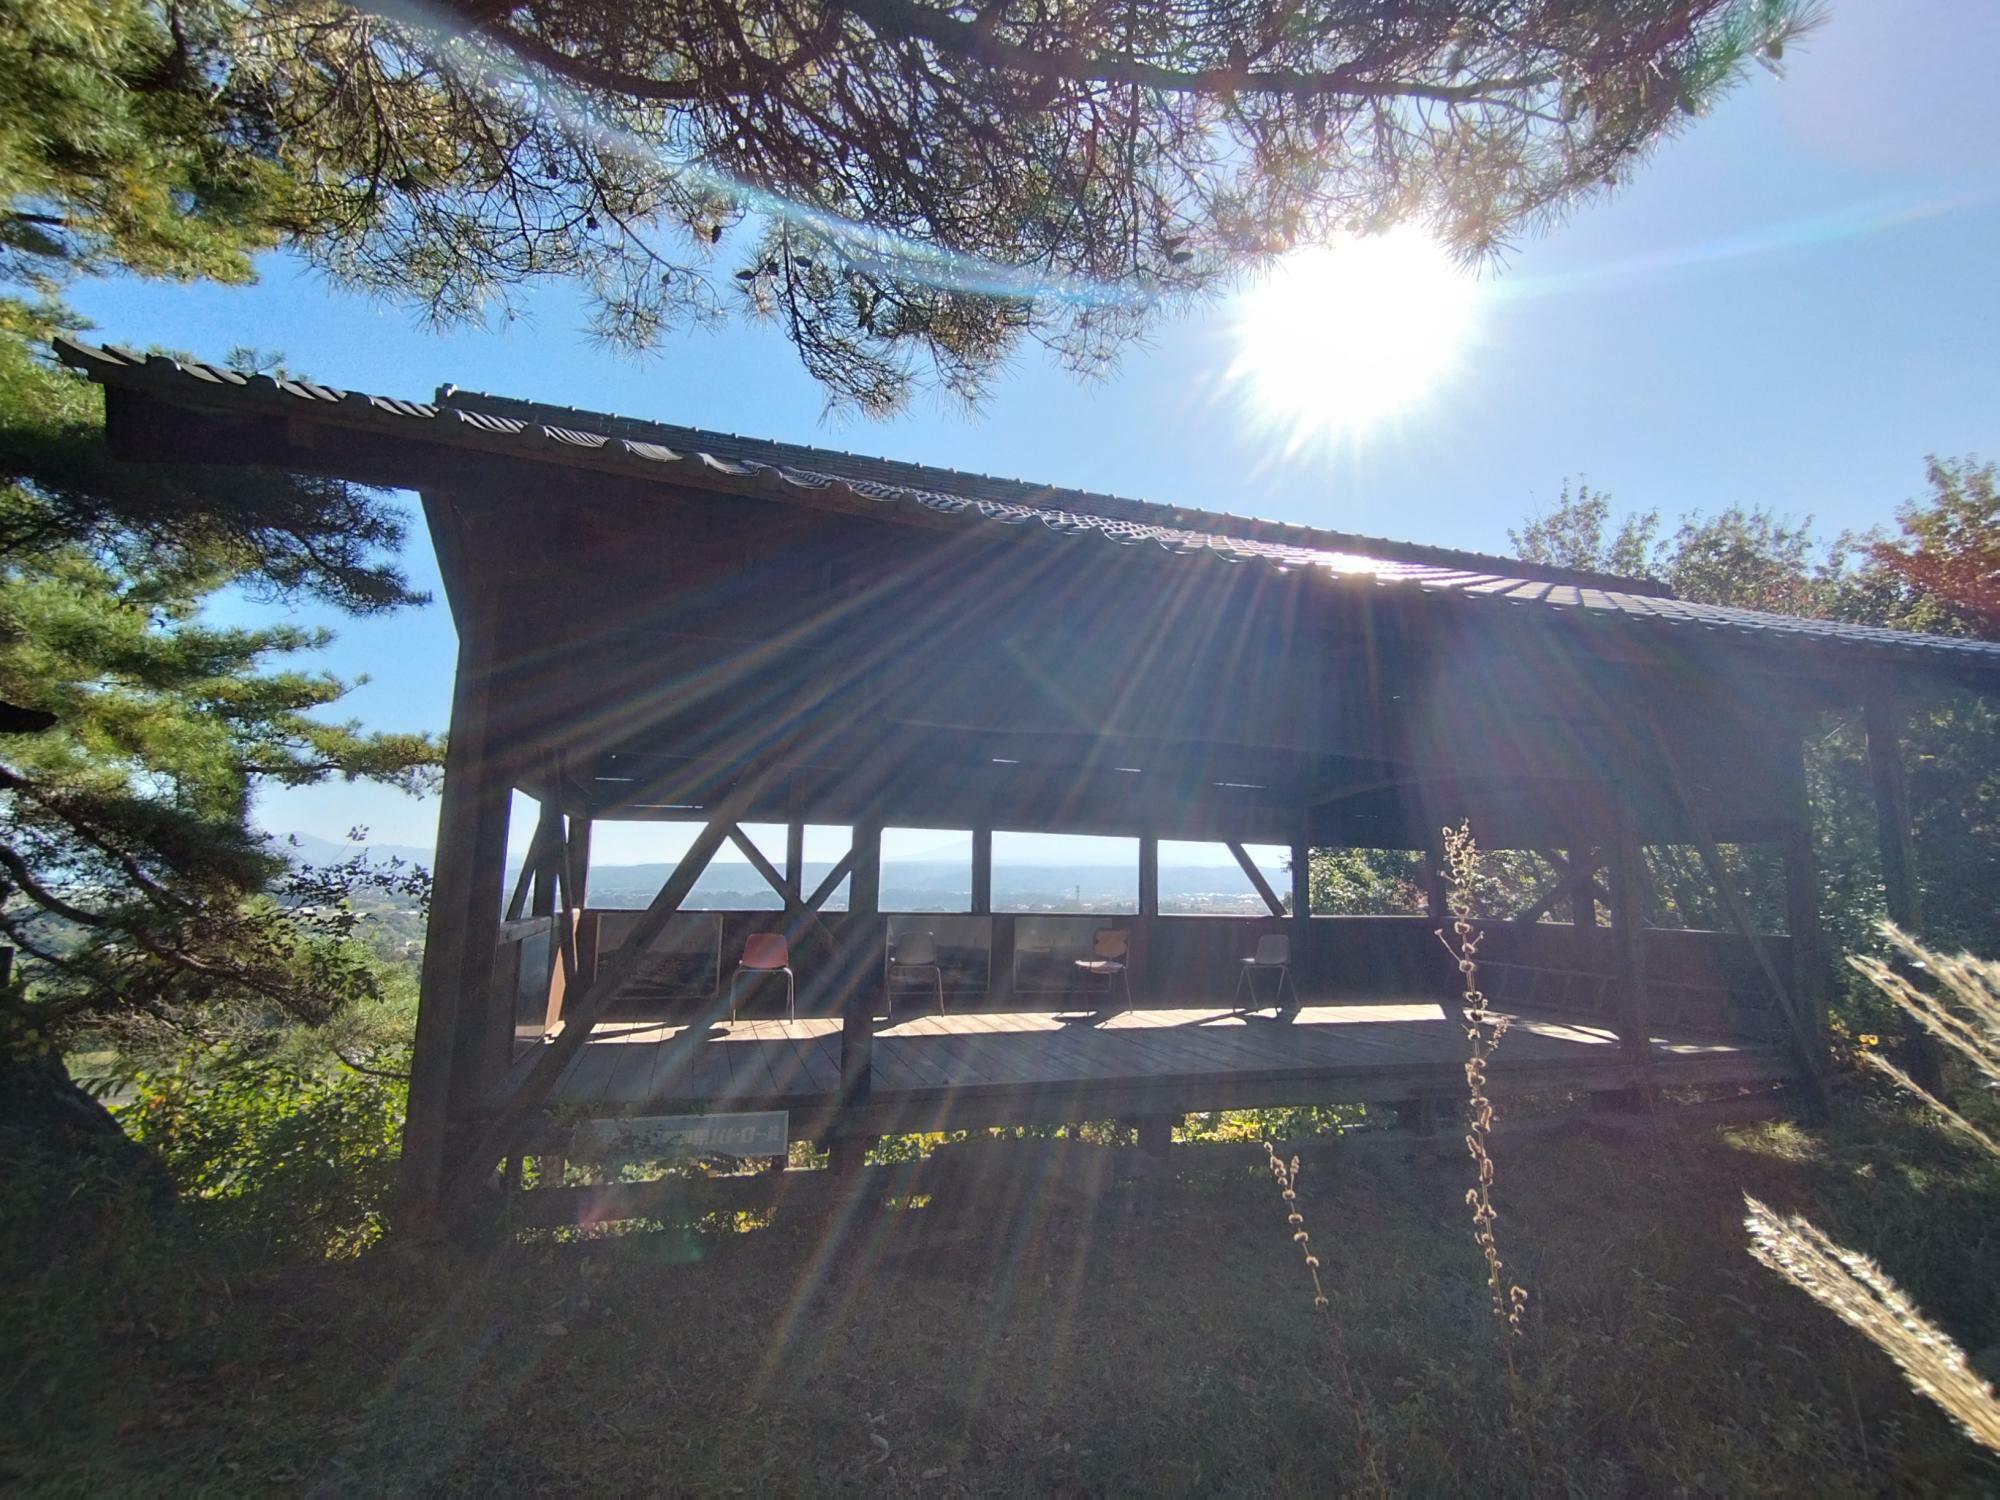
point(719, 460)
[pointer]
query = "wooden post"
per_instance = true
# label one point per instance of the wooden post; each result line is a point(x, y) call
point(1628, 925)
point(1301, 915)
point(1437, 889)
point(1583, 883)
point(454, 1034)
point(500, 1135)
point(1149, 909)
point(548, 867)
point(862, 971)
point(982, 871)
point(1811, 980)
point(578, 869)
point(1902, 893)
point(795, 855)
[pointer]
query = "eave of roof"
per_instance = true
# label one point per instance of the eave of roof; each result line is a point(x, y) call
point(522, 429)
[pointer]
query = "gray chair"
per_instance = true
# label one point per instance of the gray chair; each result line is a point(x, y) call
point(1274, 954)
point(913, 953)
point(1111, 949)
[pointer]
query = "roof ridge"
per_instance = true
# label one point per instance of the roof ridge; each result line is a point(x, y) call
point(1036, 495)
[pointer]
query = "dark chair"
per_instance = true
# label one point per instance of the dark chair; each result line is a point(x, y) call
point(913, 953)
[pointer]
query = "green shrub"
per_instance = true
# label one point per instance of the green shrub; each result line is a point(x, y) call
point(289, 1160)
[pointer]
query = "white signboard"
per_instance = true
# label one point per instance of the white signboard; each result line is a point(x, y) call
point(649, 1137)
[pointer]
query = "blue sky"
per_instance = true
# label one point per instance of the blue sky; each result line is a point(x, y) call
point(1793, 303)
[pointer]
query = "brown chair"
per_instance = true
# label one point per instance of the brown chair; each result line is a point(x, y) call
point(766, 953)
point(1111, 947)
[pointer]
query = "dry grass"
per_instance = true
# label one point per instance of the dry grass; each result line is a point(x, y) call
point(1286, 1175)
point(1857, 1290)
point(1964, 1014)
point(1120, 1344)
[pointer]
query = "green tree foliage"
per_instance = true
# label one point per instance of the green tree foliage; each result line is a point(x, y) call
point(918, 186)
point(1935, 575)
point(125, 143)
point(128, 866)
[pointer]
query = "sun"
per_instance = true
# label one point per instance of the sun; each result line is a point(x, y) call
point(1340, 338)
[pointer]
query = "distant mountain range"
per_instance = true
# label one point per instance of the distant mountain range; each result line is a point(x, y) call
point(908, 883)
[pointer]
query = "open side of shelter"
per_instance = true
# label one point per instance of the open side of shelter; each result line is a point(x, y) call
point(657, 623)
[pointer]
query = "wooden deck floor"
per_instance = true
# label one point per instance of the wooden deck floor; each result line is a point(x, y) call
point(932, 1071)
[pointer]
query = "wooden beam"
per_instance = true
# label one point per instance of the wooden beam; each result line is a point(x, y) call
point(1812, 1057)
point(1149, 911)
point(1629, 884)
point(1895, 840)
point(1301, 912)
point(982, 871)
point(1811, 978)
point(504, 1132)
point(453, 1012)
point(1893, 834)
point(782, 886)
point(842, 868)
point(1271, 901)
point(800, 915)
point(576, 860)
point(859, 973)
point(1584, 889)
point(795, 854)
point(544, 861)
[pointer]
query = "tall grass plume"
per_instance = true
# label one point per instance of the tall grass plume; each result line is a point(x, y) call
point(1964, 1014)
point(1856, 1290)
point(1286, 1175)
point(1483, 1031)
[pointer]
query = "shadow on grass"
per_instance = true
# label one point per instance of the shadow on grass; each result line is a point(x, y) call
point(1028, 1335)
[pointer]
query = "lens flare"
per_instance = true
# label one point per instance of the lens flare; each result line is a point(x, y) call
point(1339, 338)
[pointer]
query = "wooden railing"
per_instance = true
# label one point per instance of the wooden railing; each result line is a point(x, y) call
point(1702, 982)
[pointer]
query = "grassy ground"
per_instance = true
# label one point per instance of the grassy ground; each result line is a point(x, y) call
point(1157, 1338)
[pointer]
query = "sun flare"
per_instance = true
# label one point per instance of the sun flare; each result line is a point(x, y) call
point(1339, 338)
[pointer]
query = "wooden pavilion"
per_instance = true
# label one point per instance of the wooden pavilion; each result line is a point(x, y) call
point(661, 623)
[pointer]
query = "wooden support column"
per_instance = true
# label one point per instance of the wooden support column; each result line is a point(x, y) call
point(795, 855)
point(1896, 842)
point(982, 871)
point(1583, 882)
point(1811, 975)
point(501, 1136)
point(456, 1041)
point(862, 969)
point(1437, 889)
point(1301, 914)
point(1628, 926)
point(1893, 835)
point(577, 871)
point(547, 866)
point(1149, 911)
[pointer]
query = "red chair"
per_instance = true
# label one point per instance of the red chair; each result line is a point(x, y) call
point(766, 953)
